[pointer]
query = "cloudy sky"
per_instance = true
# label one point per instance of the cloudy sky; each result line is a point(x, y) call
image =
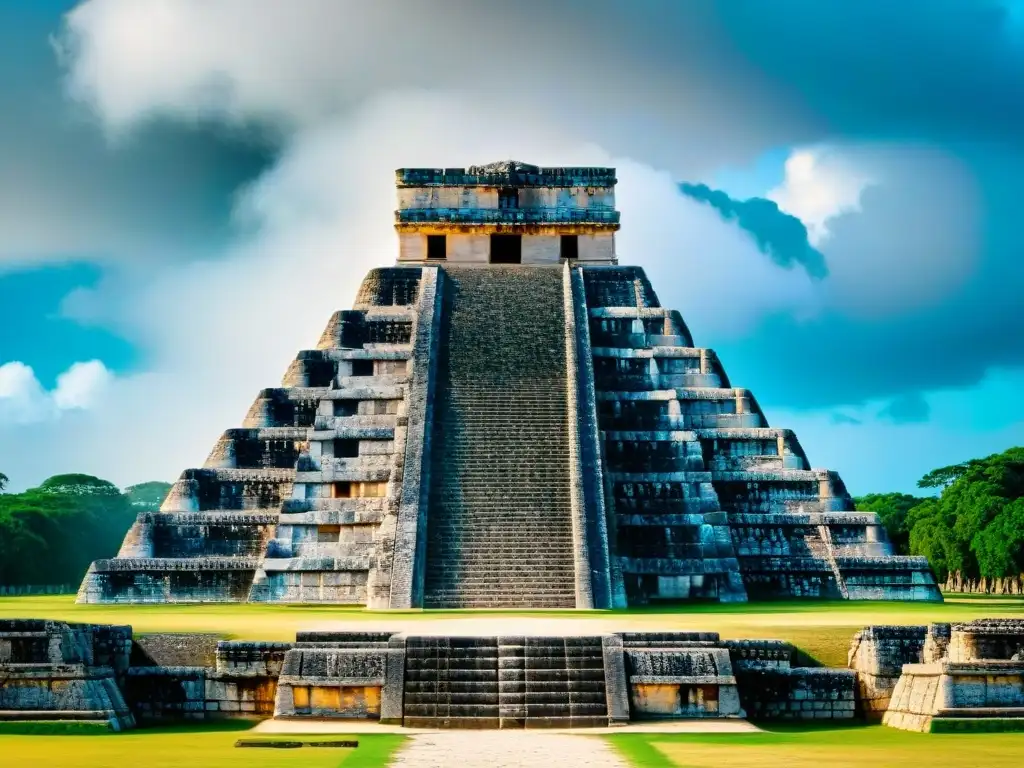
point(829, 193)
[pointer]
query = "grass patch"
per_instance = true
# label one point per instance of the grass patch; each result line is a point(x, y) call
point(207, 746)
point(821, 629)
point(977, 725)
point(54, 728)
point(814, 747)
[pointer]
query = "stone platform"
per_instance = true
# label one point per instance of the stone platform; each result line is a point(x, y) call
point(53, 671)
point(944, 677)
point(414, 680)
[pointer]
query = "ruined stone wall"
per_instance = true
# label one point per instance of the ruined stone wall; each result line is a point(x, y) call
point(51, 670)
point(676, 675)
point(240, 680)
point(801, 693)
point(878, 654)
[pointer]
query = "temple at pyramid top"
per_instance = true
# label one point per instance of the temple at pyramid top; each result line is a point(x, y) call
point(537, 433)
point(506, 213)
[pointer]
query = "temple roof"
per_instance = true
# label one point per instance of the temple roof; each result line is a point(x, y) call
point(506, 173)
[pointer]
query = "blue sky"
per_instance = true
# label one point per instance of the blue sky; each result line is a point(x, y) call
point(826, 191)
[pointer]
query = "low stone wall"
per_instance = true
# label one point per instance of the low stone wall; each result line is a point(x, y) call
point(979, 695)
point(51, 670)
point(997, 639)
point(750, 655)
point(336, 682)
point(174, 649)
point(690, 680)
point(878, 654)
point(798, 694)
point(239, 681)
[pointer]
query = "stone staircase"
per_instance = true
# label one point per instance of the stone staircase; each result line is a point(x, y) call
point(499, 529)
point(451, 682)
point(552, 682)
point(504, 682)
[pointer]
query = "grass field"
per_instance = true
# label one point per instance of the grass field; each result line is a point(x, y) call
point(199, 747)
point(847, 747)
point(822, 630)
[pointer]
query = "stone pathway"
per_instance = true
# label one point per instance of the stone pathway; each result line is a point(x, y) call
point(506, 749)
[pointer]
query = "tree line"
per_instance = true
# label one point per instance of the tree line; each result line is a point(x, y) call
point(50, 534)
point(973, 527)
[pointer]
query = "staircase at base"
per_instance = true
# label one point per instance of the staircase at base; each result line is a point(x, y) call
point(451, 682)
point(499, 521)
point(504, 682)
point(552, 682)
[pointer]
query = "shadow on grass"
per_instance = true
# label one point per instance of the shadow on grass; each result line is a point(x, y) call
point(99, 728)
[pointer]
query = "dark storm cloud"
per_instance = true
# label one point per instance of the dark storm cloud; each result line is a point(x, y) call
point(911, 408)
point(778, 235)
point(943, 70)
point(164, 192)
point(843, 419)
point(950, 341)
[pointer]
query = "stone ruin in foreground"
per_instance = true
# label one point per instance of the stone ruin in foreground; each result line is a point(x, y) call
point(506, 418)
point(943, 678)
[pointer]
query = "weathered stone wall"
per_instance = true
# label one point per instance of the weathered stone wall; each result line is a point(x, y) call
point(994, 639)
point(222, 679)
point(985, 693)
point(679, 675)
point(332, 682)
point(798, 694)
point(174, 649)
point(878, 654)
point(51, 670)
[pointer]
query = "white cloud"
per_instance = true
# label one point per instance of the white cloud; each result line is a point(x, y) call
point(23, 400)
point(820, 183)
point(302, 63)
point(81, 385)
point(216, 332)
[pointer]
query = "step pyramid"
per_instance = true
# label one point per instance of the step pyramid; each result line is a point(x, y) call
point(507, 418)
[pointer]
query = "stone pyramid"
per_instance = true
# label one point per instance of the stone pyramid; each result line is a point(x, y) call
point(506, 418)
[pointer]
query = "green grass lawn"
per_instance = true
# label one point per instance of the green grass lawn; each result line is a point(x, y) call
point(873, 746)
point(193, 747)
point(822, 629)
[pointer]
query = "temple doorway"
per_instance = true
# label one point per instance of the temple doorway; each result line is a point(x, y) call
point(506, 249)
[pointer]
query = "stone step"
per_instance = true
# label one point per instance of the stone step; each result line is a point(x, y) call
point(499, 531)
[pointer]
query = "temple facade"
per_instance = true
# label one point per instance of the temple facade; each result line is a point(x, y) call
point(507, 417)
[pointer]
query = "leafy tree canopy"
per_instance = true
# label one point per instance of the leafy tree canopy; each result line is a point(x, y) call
point(150, 494)
point(79, 485)
point(50, 534)
point(976, 526)
point(4, 479)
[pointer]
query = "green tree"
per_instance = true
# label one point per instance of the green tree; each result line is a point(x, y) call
point(79, 485)
point(976, 526)
point(50, 534)
point(893, 509)
point(148, 495)
point(4, 480)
